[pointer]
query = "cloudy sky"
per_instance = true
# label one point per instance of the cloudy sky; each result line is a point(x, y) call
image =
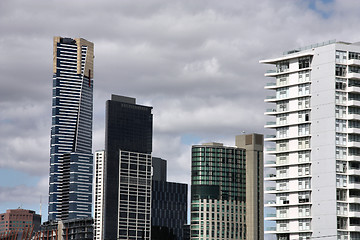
point(195, 62)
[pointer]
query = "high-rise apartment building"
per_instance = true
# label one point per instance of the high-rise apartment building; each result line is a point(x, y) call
point(227, 190)
point(70, 181)
point(127, 182)
point(99, 194)
point(314, 164)
point(168, 204)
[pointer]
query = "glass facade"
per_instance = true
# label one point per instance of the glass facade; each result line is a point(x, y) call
point(128, 147)
point(218, 192)
point(168, 210)
point(70, 182)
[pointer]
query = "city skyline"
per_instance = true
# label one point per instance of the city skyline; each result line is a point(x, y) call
point(193, 73)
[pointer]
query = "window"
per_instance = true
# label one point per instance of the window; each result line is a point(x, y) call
point(341, 180)
point(304, 76)
point(282, 225)
point(282, 93)
point(282, 158)
point(282, 119)
point(304, 170)
point(340, 97)
point(354, 55)
point(282, 172)
point(340, 153)
point(304, 89)
point(282, 145)
point(341, 167)
point(304, 183)
point(304, 197)
point(282, 80)
point(304, 224)
point(340, 139)
point(341, 209)
point(282, 106)
point(304, 62)
point(303, 103)
point(304, 116)
point(304, 156)
point(282, 212)
point(340, 57)
point(340, 70)
point(282, 132)
point(282, 198)
point(304, 211)
point(282, 66)
point(282, 185)
point(340, 111)
point(303, 143)
point(340, 125)
point(304, 129)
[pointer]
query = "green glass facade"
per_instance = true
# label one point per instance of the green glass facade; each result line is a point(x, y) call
point(218, 192)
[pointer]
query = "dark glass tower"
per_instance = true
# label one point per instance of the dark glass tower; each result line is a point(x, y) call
point(70, 182)
point(128, 147)
point(168, 206)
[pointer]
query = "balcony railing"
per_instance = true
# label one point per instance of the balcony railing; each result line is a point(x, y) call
point(270, 97)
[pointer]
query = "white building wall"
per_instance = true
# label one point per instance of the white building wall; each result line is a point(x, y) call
point(323, 142)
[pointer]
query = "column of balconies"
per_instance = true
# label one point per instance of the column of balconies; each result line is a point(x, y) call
point(288, 201)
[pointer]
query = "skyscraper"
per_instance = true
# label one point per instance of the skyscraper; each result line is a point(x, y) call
point(168, 204)
point(99, 194)
point(254, 146)
point(218, 192)
point(128, 147)
point(227, 190)
point(70, 181)
point(314, 162)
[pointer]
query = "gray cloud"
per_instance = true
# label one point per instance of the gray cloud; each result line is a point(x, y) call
point(195, 62)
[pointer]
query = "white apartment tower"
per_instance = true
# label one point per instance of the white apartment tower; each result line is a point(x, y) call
point(99, 194)
point(315, 162)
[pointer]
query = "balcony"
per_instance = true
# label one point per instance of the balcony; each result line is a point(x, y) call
point(353, 103)
point(354, 214)
point(270, 230)
point(353, 144)
point(270, 98)
point(270, 111)
point(354, 62)
point(271, 85)
point(353, 116)
point(353, 171)
point(353, 75)
point(270, 177)
point(353, 89)
point(353, 130)
point(270, 124)
point(353, 158)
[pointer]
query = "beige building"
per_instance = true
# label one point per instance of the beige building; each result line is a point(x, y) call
point(227, 190)
point(254, 145)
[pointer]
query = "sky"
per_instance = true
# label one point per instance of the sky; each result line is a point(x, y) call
point(195, 62)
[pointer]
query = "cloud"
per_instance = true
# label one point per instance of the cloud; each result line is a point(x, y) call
point(195, 62)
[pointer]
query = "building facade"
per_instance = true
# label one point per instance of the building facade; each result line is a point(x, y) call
point(128, 147)
point(99, 194)
point(254, 146)
point(19, 222)
point(81, 228)
point(70, 181)
point(314, 162)
point(168, 204)
point(218, 192)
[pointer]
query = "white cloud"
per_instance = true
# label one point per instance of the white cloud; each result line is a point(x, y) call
point(195, 62)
